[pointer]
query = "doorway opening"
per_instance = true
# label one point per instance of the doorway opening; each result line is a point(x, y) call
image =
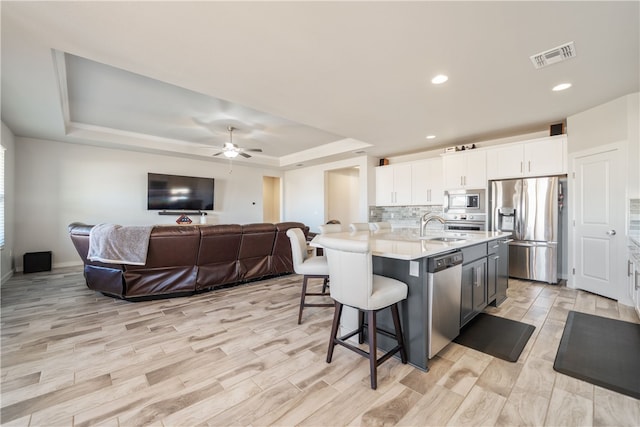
point(271, 199)
point(342, 195)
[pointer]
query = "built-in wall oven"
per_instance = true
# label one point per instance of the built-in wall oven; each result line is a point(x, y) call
point(465, 210)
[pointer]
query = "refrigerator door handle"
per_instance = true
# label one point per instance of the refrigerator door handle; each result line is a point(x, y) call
point(531, 244)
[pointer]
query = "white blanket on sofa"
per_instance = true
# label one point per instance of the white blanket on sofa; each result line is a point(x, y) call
point(112, 243)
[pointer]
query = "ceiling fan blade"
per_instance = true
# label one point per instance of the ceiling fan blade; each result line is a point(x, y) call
point(217, 154)
point(245, 155)
point(255, 150)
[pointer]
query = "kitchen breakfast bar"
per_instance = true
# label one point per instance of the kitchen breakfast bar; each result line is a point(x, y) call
point(451, 277)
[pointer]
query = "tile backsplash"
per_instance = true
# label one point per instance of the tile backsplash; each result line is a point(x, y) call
point(403, 216)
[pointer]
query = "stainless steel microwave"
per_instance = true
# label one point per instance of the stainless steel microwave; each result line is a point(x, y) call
point(464, 201)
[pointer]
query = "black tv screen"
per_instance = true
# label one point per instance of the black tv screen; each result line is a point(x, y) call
point(175, 192)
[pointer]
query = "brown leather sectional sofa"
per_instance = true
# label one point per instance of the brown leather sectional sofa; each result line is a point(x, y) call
point(183, 260)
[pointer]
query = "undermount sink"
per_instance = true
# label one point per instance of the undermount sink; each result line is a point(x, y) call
point(446, 239)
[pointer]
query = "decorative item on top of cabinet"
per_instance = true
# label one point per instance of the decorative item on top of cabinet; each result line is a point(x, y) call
point(465, 169)
point(536, 157)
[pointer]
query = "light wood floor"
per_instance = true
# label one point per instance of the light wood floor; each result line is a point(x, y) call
point(73, 357)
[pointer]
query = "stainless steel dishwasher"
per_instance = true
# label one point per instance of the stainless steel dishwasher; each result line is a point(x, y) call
point(444, 288)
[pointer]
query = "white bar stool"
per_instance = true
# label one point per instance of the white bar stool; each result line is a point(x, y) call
point(353, 284)
point(314, 267)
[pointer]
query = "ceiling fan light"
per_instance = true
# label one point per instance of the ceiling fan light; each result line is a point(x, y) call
point(231, 154)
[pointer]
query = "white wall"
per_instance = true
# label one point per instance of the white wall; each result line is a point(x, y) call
point(59, 183)
point(6, 254)
point(343, 190)
point(633, 125)
point(610, 123)
point(304, 191)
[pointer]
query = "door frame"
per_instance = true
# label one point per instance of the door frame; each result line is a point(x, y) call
point(619, 265)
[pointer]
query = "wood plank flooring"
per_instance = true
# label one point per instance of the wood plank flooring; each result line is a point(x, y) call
point(73, 357)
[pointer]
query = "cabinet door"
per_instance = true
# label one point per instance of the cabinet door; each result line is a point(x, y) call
point(492, 277)
point(479, 279)
point(402, 184)
point(468, 170)
point(455, 166)
point(545, 157)
point(474, 290)
point(476, 174)
point(384, 185)
point(502, 281)
point(505, 162)
point(427, 182)
point(466, 301)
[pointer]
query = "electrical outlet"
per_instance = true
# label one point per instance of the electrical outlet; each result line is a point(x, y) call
point(393, 215)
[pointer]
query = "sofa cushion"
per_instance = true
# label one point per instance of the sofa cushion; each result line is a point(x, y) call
point(254, 259)
point(218, 255)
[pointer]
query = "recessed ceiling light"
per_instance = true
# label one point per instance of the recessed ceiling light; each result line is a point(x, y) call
point(439, 79)
point(431, 137)
point(561, 86)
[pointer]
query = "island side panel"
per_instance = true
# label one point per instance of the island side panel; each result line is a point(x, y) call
point(413, 310)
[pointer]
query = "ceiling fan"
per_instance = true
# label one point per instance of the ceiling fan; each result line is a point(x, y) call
point(231, 150)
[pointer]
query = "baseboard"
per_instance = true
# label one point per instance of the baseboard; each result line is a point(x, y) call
point(7, 276)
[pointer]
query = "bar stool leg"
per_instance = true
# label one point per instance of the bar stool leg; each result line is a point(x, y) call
point(302, 295)
point(334, 330)
point(398, 327)
point(325, 285)
point(373, 359)
point(360, 326)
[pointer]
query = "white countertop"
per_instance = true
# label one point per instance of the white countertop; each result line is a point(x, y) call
point(406, 243)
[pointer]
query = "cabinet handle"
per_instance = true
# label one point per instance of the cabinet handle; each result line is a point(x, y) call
point(629, 265)
point(461, 180)
point(521, 167)
point(428, 195)
point(529, 165)
point(475, 277)
point(637, 283)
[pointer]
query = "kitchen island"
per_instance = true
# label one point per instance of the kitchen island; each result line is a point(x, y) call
point(404, 255)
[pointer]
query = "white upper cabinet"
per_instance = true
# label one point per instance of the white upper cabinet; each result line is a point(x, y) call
point(465, 170)
point(539, 157)
point(427, 186)
point(393, 185)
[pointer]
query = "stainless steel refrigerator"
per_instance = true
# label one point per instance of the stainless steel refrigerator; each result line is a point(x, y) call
point(528, 208)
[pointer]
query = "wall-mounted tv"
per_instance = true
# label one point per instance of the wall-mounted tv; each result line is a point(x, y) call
point(175, 192)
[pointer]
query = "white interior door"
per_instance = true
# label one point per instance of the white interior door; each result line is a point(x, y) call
point(599, 189)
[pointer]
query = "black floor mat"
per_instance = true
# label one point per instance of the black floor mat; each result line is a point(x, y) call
point(496, 336)
point(601, 351)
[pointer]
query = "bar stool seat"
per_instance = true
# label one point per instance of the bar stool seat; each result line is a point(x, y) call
point(314, 267)
point(353, 284)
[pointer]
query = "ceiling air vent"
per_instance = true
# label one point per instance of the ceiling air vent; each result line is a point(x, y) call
point(551, 56)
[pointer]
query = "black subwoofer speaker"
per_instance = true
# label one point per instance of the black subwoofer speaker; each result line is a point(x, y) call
point(557, 129)
point(34, 262)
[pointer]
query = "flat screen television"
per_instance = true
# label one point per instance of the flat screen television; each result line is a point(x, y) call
point(176, 192)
